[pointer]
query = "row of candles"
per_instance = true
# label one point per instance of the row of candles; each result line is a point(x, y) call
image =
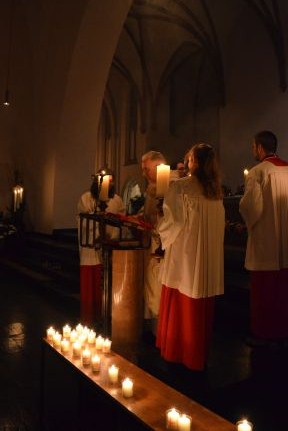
point(83, 340)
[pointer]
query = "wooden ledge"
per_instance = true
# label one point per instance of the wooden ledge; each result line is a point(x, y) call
point(151, 399)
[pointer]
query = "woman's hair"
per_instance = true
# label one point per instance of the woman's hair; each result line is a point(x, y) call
point(205, 168)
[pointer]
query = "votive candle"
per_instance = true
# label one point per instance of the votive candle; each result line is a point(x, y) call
point(73, 336)
point(65, 345)
point(66, 331)
point(76, 349)
point(172, 417)
point(86, 356)
point(127, 388)
point(244, 425)
point(99, 342)
point(96, 363)
point(106, 347)
point(50, 332)
point(113, 373)
point(57, 340)
point(184, 423)
point(79, 328)
point(91, 337)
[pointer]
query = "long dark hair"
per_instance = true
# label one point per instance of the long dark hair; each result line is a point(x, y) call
point(206, 169)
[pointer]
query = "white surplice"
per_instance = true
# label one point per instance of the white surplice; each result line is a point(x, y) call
point(192, 234)
point(264, 207)
point(87, 204)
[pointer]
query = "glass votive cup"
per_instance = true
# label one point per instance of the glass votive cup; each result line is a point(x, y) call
point(184, 423)
point(127, 388)
point(172, 416)
point(244, 425)
point(95, 363)
point(113, 372)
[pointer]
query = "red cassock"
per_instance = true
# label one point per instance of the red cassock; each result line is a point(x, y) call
point(192, 234)
point(264, 208)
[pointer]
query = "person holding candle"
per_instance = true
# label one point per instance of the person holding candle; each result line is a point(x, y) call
point(192, 234)
point(90, 258)
point(264, 208)
point(152, 284)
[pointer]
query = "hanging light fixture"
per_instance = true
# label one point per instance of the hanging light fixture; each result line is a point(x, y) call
point(7, 92)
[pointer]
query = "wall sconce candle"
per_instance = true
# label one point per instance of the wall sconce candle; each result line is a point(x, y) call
point(17, 197)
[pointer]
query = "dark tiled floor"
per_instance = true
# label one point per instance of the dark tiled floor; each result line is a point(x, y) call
point(239, 381)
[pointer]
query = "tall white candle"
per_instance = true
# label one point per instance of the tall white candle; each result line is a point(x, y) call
point(127, 388)
point(172, 417)
point(113, 373)
point(162, 182)
point(184, 423)
point(244, 425)
point(104, 188)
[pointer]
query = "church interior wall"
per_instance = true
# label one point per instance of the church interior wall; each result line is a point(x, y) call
point(51, 132)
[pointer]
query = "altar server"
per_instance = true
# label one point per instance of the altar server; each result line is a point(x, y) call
point(192, 234)
point(264, 208)
point(90, 258)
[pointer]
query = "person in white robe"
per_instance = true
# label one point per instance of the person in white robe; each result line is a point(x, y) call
point(192, 234)
point(264, 207)
point(91, 258)
point(152, 263)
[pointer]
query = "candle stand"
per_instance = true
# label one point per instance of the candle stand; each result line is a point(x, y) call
point(123, 261)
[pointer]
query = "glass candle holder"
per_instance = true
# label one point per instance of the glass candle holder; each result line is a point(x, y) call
point(184, 423)
point(244, 425)
point(113, 373)
point(95, 363)
point(127, 388)
point(106, 346)
point(172, 416)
